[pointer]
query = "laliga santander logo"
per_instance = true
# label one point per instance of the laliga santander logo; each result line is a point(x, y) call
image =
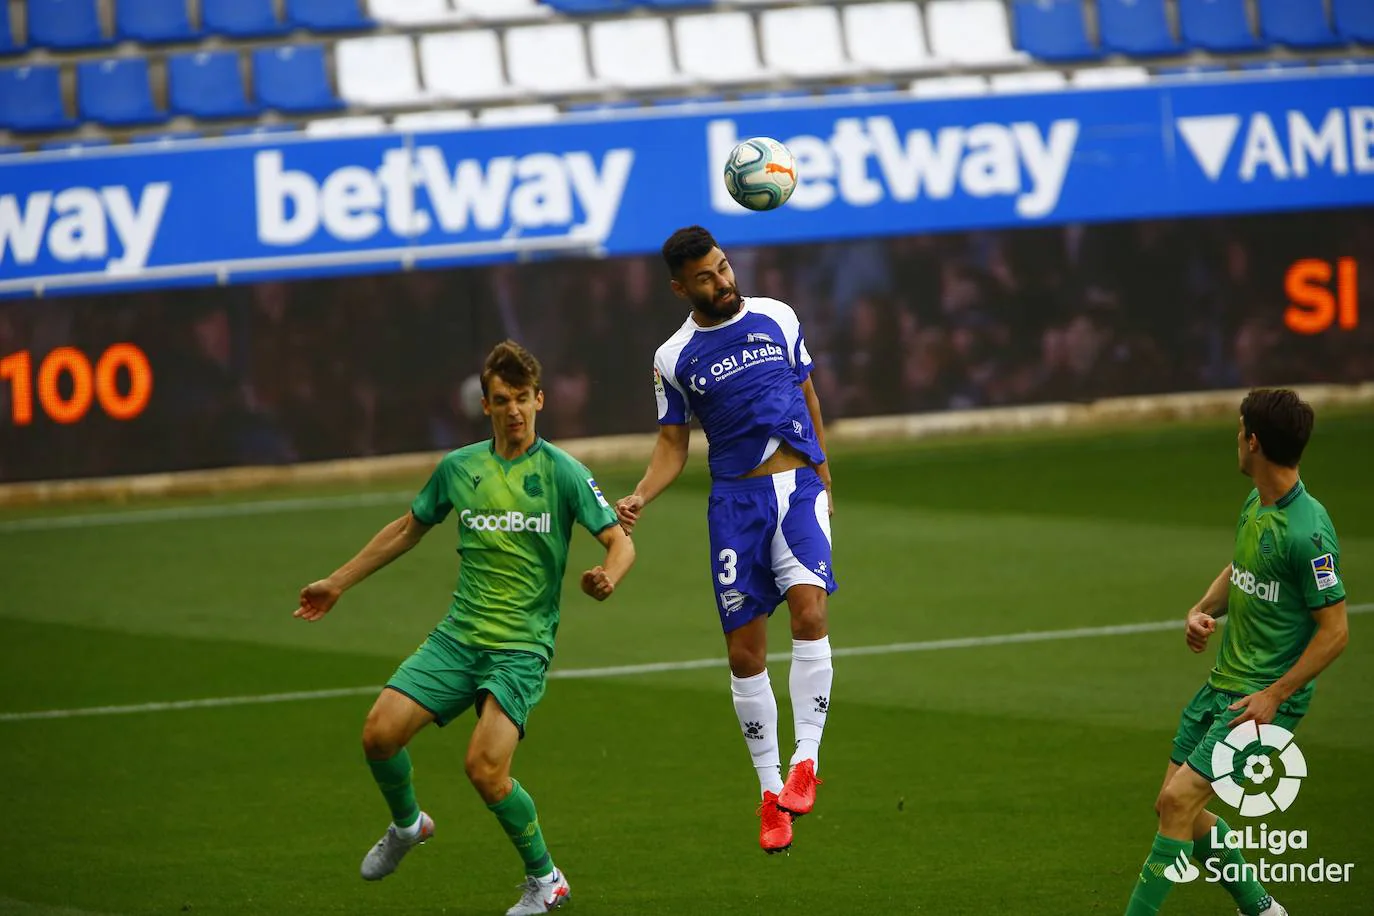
point(1181, 870)
point(1234, 772)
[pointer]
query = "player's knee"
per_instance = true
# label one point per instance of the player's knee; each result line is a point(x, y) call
point(382, 738)
point(1175, 803)
point(808, 616)
point(486, 773)
point(747, 661)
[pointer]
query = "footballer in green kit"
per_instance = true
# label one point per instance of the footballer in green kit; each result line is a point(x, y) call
point(516, 498)
point(1284, 601)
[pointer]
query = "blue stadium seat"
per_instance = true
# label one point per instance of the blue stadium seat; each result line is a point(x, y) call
point(31, 99)
point(116, 92)
point(242, 18)
point(328, 15)
point(1354, 20)
point(1052, 30)
point(208, 85)
point(1136, 27)
point(153, 20)
point(7, 42)
point(578, 7)
point(1297, 23)
point(294, 78)
point(1216, 25)
point(65, 24)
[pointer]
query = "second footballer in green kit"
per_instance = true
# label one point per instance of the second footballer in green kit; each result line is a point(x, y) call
point(1284, 602)
point(516, 498)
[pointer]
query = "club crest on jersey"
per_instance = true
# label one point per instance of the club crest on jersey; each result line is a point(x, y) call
point(591, 482)
point(534, 487)
point(1324, 571)
point(1266, 543)
point(731, 600)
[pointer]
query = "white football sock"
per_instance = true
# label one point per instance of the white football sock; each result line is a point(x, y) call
point(757, 710)
point(809, 682)
point(411, 832)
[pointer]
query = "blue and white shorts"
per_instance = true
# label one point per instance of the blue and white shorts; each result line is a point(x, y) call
point(767, 535)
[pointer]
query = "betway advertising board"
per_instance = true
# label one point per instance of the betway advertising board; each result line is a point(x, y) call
point(232, 211)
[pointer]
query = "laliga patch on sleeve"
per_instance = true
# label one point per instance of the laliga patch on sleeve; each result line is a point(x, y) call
point(1324, 571)
point(591, 482)
point(658, 382)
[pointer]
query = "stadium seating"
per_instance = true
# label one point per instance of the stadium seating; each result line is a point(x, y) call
point(536, 113)
point(463, 66)
point(293, 79)
point(970, 32)
point(31, 99)
point(8, 45)
point(1217, 25)
point(503, 10)
point(1138, 28)
point(116, 92)
point(1354, 20)
point(804, 42)
point(328, 15)
point(548, 59)
point(153, 21)
point(242, 18)
point(577, 7)
point(378, 71)
point(718, 47)
point(1102, 77)
point(949, 87)
point(207, 84)
point(1028, 81)
point(887, 37)
point(633, 53)
point(405, 13)
point(433, 120)
point(65, 24)
point(1296, 23)
point(1052, 30)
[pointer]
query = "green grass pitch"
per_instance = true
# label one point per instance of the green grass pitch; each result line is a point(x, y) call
point(972, 779)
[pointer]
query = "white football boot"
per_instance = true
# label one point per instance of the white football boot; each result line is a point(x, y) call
point(382, 859)
point(541, 895)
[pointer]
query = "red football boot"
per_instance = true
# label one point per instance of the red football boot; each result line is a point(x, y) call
point(775, 830)
point(799, 792)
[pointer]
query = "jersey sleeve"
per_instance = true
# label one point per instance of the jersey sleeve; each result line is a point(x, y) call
point(584, 498)
point(793, 338)
point(1315, 556)
point(433, 503)
point(672, 400)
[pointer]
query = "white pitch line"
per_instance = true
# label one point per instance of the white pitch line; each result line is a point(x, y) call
point(934, 645)
point(226, 510)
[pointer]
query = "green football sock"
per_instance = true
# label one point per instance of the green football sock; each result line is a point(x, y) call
point(1153, 886)
point(393, 778)
point(1248, 893)
point(518, 818)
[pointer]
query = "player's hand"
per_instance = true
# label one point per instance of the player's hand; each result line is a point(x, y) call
point(1200, 627)
point(627, 510)
point(316, 600)
point(1260, 708)
point(596, 583)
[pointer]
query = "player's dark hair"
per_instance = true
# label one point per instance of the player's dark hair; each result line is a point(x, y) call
point(687, 244)
point(512, 364)
point(1281, 420)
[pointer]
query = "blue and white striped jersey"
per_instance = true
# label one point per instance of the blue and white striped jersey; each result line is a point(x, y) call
point(742, 380)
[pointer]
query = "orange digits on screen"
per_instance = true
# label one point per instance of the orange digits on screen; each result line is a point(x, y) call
point(85, 384)
point(1313, 307)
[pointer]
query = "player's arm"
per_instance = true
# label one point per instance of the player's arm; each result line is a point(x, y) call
point(813, 407)
point(665, 464)
point(1202, 617)
point(386, 545)
point(600, 581)
point(1327, 643)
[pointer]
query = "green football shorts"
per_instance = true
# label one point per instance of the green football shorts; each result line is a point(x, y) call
point(446, 677)
point(1206, 721)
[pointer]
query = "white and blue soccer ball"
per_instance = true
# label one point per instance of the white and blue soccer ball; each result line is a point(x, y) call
point(760, 173)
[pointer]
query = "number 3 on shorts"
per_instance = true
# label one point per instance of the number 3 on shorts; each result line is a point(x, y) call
point(728, 558)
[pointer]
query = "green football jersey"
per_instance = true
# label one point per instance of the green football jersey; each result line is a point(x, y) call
point(1287, 564)
point(515, 521)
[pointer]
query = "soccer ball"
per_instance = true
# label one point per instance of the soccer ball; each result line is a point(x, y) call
point(760, 173)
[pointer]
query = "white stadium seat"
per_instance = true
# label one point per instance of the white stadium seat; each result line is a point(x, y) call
point(1094, 77)
point(949, 87)
point(361, 125)
point(888, 37)
point(548, 58)
point(718, 48)
point(633, 53)
point(971, 32)
point(451, 119)
point(1028, 81)
point(503, 10)
point(540, 113)
point(377, 72)
point(803, 41)
point(413, 12)
point(464, 65)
